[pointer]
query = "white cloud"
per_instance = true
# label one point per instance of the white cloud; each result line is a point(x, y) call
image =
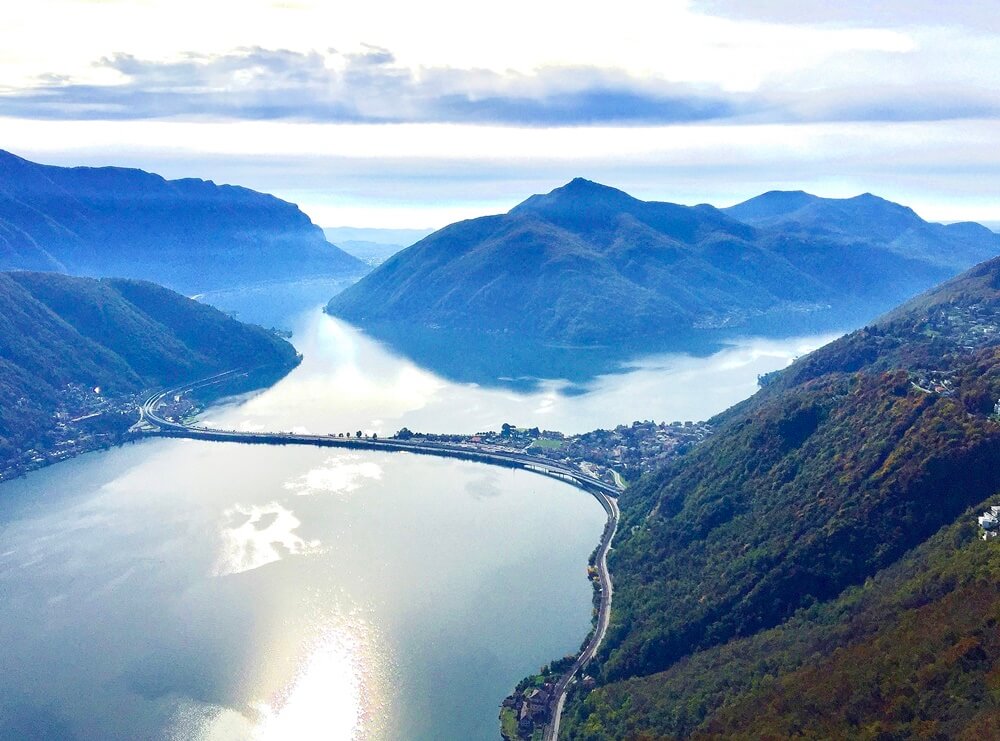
point(661, 39)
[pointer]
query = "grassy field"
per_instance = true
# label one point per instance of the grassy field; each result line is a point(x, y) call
point(548, 444)
point(508, 722)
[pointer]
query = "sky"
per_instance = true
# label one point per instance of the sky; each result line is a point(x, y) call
point(401, 114)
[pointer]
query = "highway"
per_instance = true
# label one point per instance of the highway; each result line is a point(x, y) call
point(152, 423)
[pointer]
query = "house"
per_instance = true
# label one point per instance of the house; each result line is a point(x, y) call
point(538, 704)
point(525, 725)
point(989, 523)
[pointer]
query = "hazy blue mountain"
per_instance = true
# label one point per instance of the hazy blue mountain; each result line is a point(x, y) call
point(376, 235)
point(370, 253)
point(373, 246)
point(61, 337)
point(871, 220)
point(192, 235)
point(770, 205)
point(589, 264)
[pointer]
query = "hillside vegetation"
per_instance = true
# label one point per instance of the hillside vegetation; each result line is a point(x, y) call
point(63, 337)
point(812, 569)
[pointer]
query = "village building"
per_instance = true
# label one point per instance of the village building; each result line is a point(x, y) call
point(989, 523)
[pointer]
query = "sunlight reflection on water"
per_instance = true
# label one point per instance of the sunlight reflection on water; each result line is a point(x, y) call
point(339, 474)
point(336, 693)
point(263, 535)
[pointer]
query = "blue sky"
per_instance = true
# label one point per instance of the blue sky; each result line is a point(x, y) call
point(401, 114)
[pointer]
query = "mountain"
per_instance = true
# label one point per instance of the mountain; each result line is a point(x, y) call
point(374, 235)
point(370, 253)
point(371, 245)
point(587, 264)
point(63, 337)
point(192, 235)
point(868, 218)
point(814, 568)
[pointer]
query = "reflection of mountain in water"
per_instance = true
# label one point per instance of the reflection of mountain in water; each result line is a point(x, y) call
point(493, 359)
point(503, 360)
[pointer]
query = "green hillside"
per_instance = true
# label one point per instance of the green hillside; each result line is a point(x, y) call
point(61, 338)
point(738, 571)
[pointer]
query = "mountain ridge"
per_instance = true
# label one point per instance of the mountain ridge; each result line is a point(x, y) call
point(189, 234)
point(590, 264)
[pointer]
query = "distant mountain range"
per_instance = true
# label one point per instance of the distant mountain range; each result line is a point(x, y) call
point(373, 246)
point(191, 235)
point(588, 265)
point(62, 337)
point(815, 568)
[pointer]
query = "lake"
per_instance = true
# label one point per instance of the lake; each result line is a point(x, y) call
point(349, 381)
point(181, 589)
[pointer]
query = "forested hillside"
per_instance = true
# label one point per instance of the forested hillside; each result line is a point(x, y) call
point(70, 347)
point(773, 577)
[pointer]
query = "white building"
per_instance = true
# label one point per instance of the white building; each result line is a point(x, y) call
point(989, 522)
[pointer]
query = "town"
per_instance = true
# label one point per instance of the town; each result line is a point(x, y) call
point(614, 456)
point(970, 327)
point(85, 419)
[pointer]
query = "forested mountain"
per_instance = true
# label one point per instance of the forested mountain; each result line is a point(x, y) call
point(589, 264)
point(63, 337)
point(814, 568)
point(191, 235)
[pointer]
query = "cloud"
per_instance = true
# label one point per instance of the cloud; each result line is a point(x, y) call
point(371, 86)
point(367, 86)
point(885, 13)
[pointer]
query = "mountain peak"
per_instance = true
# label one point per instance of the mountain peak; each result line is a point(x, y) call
point(577, 193)
point(773, 204)
point(582, 187)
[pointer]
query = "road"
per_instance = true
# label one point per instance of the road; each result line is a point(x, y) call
point(605, 493)
point(619, 481)
point(603, 618)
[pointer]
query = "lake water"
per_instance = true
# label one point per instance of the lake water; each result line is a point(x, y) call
point(349, 381)
point(180, 589)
